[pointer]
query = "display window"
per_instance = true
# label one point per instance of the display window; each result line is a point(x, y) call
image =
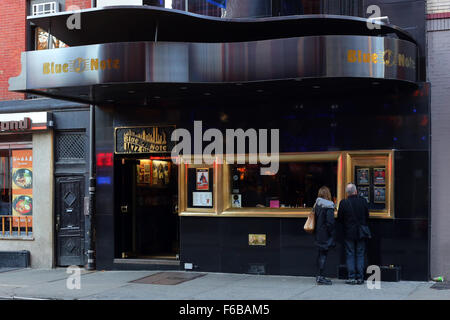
point(198, 187)
point(233, 189)
point(16, 201)
point(372, 173)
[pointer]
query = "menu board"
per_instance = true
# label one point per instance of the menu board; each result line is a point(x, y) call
point(22, 184)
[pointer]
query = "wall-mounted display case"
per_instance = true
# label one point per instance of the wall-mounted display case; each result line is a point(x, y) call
point(249, 189)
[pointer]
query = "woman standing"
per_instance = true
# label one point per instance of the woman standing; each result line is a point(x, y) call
point(324, 230)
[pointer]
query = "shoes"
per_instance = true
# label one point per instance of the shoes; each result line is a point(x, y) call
point(322, 280)
point(360, 281)
point(351, 281)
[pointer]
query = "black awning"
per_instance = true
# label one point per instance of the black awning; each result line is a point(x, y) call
point(147, 23)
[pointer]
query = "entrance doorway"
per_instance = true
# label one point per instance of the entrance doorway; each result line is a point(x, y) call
point(147, 223)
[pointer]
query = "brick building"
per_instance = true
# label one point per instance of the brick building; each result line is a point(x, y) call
point(64, 123)
point(17, 36)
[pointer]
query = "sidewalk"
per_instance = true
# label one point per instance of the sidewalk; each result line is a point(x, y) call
point(115, 285)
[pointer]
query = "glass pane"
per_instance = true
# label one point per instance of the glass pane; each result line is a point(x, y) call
point(41, 39)
point(5, 199)
point(294, 186)
point(204, 7)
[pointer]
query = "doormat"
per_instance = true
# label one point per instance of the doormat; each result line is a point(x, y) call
point(441, 286)
point(168, 278)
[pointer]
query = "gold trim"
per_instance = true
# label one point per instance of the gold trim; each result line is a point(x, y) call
point(375, 159)
point(346, 161)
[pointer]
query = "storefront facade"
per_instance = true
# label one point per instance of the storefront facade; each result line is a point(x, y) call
point(26, 150)
point(345, 107)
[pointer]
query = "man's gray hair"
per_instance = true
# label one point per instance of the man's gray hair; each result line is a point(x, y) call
point(350, 189)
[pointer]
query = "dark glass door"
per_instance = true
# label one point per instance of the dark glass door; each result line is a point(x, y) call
point(149, 224)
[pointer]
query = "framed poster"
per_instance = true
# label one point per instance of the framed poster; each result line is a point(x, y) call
point(160, 172)
point(379, 194)
point(22, 185)
point(202, 199)
point(362, 176)
point(379, 176)
point(202, 179)
point(364, 192)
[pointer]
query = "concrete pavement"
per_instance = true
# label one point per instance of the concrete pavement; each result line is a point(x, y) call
point(115, 285)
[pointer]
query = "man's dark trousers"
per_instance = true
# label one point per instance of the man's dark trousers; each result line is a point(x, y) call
point(354, 253)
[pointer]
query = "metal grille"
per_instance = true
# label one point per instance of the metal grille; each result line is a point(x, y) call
point(70, 146)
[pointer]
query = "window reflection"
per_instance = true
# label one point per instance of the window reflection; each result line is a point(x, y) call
point(204, 7)
point(5, 192)
point(42, 41)
point(294, 186)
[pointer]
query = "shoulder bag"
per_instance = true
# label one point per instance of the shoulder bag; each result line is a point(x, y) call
point(310, 223)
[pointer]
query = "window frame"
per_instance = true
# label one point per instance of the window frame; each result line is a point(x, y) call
point(346, 161)
point(22, 235)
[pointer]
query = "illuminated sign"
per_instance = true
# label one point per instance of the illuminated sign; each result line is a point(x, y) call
point(144, 140)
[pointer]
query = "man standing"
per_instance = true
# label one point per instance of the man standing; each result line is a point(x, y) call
point(354, 212)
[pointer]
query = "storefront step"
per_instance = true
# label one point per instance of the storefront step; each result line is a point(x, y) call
point(147, 264)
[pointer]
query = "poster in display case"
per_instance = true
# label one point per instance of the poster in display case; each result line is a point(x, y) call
point(362, 176)
point(202, 179)
point(364, 192)
point(379, 176)
point(379, 194)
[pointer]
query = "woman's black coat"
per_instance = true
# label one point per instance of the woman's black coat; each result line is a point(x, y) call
point(325, 227)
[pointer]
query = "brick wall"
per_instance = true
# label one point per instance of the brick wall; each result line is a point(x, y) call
point(13, 40)
point(438, 6)
point(83, 4)
point(12, 43)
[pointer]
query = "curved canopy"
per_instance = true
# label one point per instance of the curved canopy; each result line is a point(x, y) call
point(148, 23)
point(82, 73)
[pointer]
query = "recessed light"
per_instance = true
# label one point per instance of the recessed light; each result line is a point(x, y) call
point(316, 87)
point(260, 90)
point(183, 88)
point(156, 97)
point(109, 100)
point(207, 94)
point(375, 83)
point(131, 91)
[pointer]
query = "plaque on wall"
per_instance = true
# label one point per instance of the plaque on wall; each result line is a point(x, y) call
point(364, 192)
point(236, 201)
point(379, 194)
point(362, 176)
point(256, 239)
point(379, 176)
point(137, 140)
